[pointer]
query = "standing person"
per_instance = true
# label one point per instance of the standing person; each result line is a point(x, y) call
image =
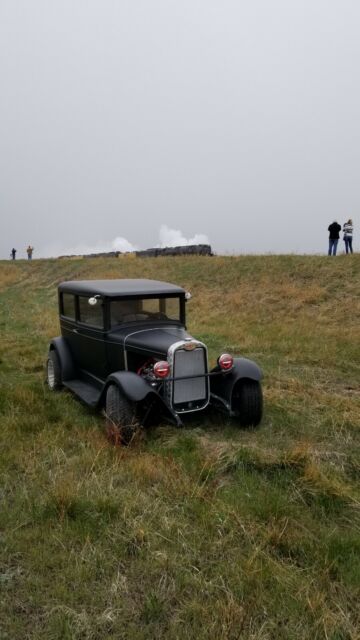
point(348, 235)
point(29, 251)
point(13, 253)
point(334, 236)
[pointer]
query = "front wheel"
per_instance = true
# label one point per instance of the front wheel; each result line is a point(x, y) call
point(53, 371)
point(247, 402)
point(121, 423)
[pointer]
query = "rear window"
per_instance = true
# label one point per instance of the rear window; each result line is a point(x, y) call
point(147, 309)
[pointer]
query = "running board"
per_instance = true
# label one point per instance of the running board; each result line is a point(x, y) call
point(88, 393)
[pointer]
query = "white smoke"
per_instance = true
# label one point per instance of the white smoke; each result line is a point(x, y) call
point(118, 244)
point(167, 238)
point(123, 245)
point(174, 238)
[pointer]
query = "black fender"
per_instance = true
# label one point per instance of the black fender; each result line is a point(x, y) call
point(68, 370)
point(222, 384)
point(138, 390)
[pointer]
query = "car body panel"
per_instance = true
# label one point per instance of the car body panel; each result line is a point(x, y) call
point(61, 346)
point(155, 340)
point(222, 386)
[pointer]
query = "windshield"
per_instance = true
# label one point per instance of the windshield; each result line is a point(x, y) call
point(147, 309)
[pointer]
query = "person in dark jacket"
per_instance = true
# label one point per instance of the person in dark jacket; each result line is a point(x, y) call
point(13, 253)
point(334, 235)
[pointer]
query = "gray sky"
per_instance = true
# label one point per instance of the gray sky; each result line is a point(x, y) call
point(166, 120)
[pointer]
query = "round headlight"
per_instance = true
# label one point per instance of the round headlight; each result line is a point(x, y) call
point(225, 362)
point(161, 369)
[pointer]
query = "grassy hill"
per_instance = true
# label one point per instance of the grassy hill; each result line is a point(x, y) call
point(206, 532)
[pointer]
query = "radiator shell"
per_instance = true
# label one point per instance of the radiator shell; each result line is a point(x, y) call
point(192, 393)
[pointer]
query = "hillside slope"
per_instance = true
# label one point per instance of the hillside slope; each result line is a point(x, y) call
point(206, 532)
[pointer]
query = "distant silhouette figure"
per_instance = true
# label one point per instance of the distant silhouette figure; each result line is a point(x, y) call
point(334, 236)
point(29, 252)
point(348, 235)
point(13, 253)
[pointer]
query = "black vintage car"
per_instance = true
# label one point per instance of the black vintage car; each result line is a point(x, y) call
point(124, 347)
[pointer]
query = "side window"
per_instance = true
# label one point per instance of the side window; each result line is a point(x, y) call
point(68, 305)
point(91, 315)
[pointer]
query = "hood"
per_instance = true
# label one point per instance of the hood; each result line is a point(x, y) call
point(156, 340)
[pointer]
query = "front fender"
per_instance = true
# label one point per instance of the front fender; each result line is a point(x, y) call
point(137, 390)
point(132, 386)
point(222, 385)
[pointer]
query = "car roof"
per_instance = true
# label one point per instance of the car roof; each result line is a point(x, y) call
point(121, 287)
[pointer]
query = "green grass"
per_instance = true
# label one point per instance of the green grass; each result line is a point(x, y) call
point(206, 532)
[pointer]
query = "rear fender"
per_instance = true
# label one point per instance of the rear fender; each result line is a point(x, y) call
point(137, 390)
point(60, 346)
point(222, 385)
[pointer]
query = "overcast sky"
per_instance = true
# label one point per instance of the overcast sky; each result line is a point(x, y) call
point(136, 123)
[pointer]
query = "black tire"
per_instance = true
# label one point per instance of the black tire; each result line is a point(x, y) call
point(53, 371)
point(247, 402)
point(121, 423)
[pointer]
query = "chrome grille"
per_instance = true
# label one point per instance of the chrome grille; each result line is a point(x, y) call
point(190, 394)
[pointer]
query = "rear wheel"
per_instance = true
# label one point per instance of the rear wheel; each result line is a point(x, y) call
point(53, 371)
point(247, 402)
point(121, 423)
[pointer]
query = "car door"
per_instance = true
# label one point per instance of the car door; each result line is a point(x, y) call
point(88, 343)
